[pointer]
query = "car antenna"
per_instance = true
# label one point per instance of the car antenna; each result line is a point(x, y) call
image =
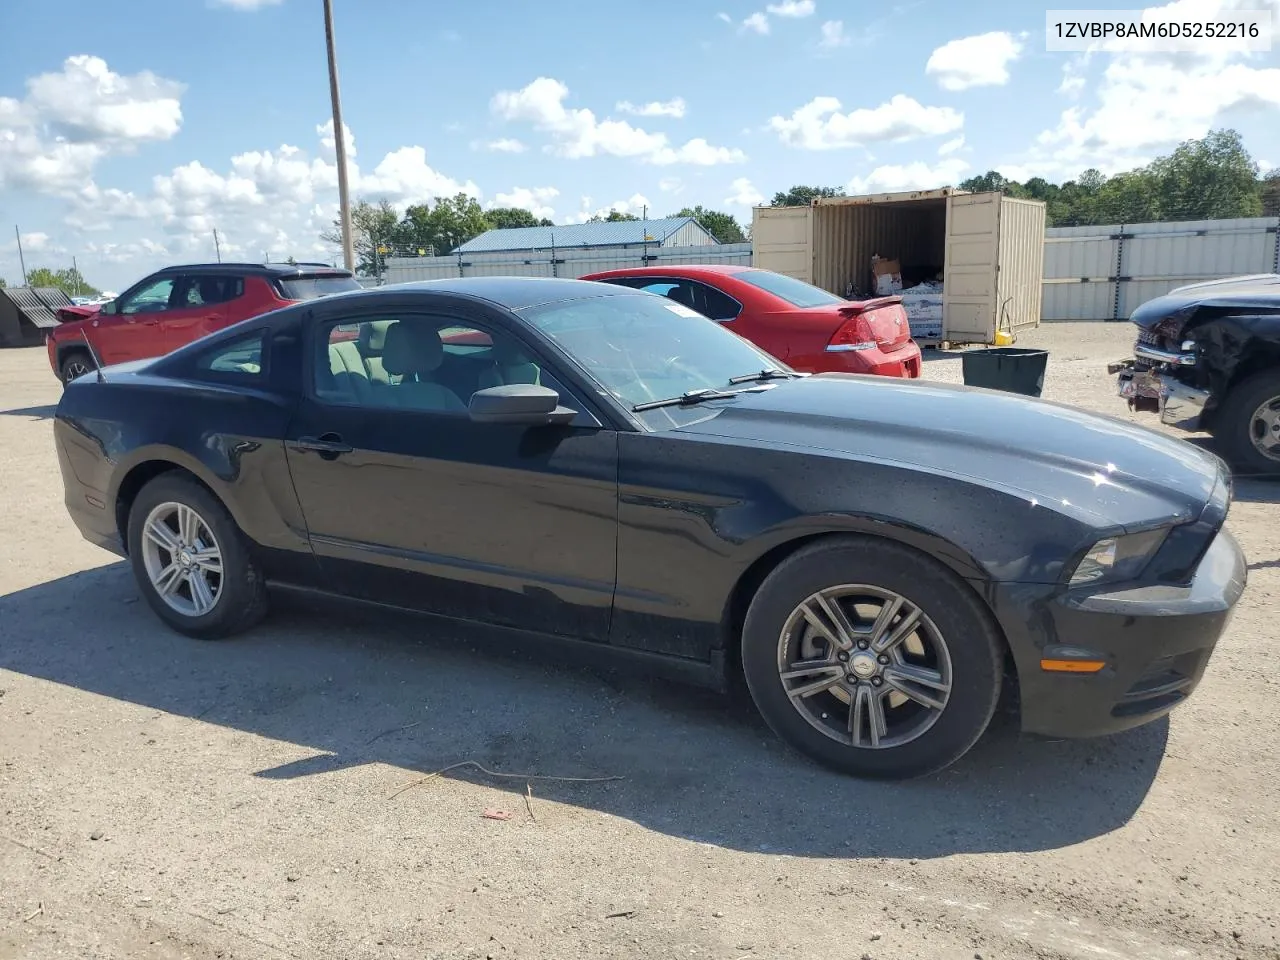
point(93, 355)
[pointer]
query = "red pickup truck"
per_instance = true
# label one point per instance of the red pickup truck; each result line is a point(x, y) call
point(176, 305)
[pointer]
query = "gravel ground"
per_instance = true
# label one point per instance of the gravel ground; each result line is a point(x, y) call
point(161, 798)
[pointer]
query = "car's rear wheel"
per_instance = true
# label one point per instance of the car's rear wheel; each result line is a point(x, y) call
point(75, 364)
point(191, 561)
point(1247, 425)
point(871, 658)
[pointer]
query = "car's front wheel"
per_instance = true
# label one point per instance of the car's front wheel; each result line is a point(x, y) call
point(871, 658)
point(76, 363)
point(1247, 425)
point(191, 561)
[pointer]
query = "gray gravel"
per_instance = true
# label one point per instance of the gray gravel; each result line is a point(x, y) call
point(162, 798)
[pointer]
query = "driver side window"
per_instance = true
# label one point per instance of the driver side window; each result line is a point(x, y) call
point(152, 298)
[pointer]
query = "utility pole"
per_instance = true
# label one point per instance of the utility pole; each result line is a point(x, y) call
point(21, 260)
point(75, 272)
point(216, 245)
point(339, 143)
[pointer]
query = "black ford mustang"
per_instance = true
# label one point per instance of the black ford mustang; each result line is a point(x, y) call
point(599, 465)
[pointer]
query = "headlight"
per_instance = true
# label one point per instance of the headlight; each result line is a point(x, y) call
point(1118, 558)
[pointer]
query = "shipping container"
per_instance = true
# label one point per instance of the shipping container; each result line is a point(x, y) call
point(988, 249)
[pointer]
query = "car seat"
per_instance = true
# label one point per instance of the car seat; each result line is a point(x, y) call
point(414, 352)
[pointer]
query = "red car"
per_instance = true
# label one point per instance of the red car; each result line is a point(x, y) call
point(176, 305)
point(805, 327)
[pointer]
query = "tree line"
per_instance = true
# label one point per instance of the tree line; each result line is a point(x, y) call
point(1213, 178)
point(69, 281)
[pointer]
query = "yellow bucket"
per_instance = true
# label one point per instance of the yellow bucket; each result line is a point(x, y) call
point(1003, 338)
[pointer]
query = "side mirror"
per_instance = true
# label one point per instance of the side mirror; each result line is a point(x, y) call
point(522, 403)
point(108, 308)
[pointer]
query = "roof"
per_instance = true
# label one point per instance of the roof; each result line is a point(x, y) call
point(603, 234)
point(514, 293)
point(37, 304)
point(258, 269)
point(676, 270)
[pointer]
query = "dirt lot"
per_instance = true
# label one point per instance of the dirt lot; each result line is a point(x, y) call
point(162, 798)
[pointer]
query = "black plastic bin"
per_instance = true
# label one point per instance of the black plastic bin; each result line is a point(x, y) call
point(1012, 369)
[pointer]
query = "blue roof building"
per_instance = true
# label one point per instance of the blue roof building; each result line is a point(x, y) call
point(666, 232)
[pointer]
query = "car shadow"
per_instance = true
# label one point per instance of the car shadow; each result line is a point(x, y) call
point(360, 687)
point(43, 412)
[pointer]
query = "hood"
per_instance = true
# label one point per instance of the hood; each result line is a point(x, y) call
point(1099, 470)
point(1169, 316)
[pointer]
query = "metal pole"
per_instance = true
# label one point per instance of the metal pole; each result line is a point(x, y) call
point(339, 143)
point(216, 245)
point(21, 260)
point(75, 271)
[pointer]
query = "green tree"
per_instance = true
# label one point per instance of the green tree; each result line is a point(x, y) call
point(503, 218)
point(441, 227)
point(1209, 179)
point(723, 226)
point(801, 196)
point(2, 283)
point(614, 216)
point(374, 229)
point(69, 281)
point(1270, 194)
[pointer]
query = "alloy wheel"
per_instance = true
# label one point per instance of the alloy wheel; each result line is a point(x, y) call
point(864, 666)
point(182, 559)
point(1264, 428)
point(75, 368)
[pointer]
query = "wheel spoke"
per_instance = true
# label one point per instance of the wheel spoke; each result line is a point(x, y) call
point(188, 525)
point(201, 594)
point(821, 675)
point(866, 713)
point(921, 684)
point(209, 560)
point(841, 631)
point(813, 615)
point(169, 579)
point(160, 534)
point(888, 640)
point(888, 610)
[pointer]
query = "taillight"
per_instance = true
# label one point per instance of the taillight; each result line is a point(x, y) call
point(854, 334)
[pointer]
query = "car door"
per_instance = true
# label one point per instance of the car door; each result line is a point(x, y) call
point(201, 304)
point(407, 501)
point(129, 328)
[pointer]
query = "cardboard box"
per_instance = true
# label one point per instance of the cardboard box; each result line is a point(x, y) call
point(886, 276)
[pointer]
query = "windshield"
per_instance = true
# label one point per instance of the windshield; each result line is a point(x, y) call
point(642, 347)
point(795, 292)
point(310, 288)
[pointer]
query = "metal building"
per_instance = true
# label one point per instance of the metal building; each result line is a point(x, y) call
point(27, 312)
point(572, 250)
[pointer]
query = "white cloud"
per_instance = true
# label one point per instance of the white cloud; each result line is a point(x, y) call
point(403, 176)
point(576, 133)
point(744, 194)
point(757, 22)
point(951, 146)
point(978, 61)
point(325, 132)
point(536, 200)
point(724, 17)
point(1147, 103)
point(506, 145)
point(35, 242)
point(247, 4)
point(674, 107)
point(791, 8)
point(671, 185)
point(819, 124)
point(51, 140)
point(910, 176)
point(636, 205)
point(833, 35)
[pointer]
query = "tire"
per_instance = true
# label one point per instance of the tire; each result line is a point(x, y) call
point(960, 643)
point(239, 595)
point(74, 363)
point(1235, 423)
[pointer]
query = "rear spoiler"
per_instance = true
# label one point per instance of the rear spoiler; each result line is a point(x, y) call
point(853, 308)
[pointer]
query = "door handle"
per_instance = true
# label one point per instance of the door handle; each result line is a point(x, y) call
point(328, 445)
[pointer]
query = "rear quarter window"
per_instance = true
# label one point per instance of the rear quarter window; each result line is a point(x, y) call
point(243, 357)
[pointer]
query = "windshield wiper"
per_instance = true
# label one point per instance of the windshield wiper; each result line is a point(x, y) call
point(687, 399)
point(764, 375)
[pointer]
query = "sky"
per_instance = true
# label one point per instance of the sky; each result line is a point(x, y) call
point(130, 131)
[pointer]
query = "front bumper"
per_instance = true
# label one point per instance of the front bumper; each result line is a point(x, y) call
point(1156, 642)
point(1148, 387)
